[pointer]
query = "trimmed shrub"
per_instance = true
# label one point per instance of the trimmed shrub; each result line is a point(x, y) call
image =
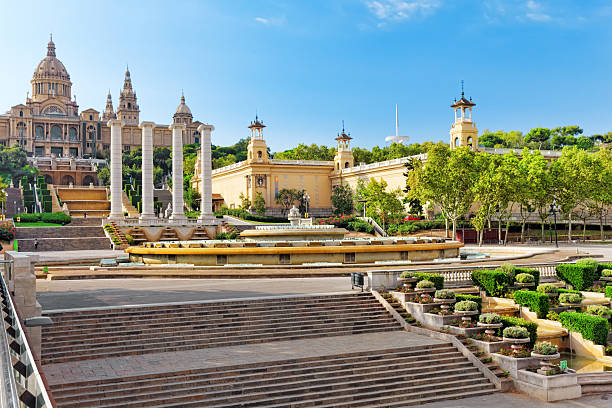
point(494, 283)
point(436, 278)
point(533, 272)
point(489, 318)
point(592, 328)
point(597, 310)
point(572, 298)
point(27, 217)
point(226, 235)
point(444, 294)
point(515, 332)
point(563, 290)
point(606, 272)
point(461, 297)
point(129, 239)
point(547, 288)
point(581, 277)
point(609, 292)
point(525, 278)
point(466, 306)
point(536, 302)
point(531, 327)
point(56, 218)
point(546, 348)
point(407, 274)
point(588, 262)
point(425, 284)
point(602, 267)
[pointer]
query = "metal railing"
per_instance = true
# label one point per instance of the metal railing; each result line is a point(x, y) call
point(462, 275)
point(21, 380)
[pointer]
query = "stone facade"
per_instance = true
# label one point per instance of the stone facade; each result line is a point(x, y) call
point(49, 123)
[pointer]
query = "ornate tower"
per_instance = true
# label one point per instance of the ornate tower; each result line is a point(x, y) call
point(183, 113)
point(463, 132)
point(257, 151)
point(128, 112)
point(344, 156)
point(109, 112)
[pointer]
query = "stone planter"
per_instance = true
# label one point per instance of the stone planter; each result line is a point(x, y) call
point(515, 344)
point(407, 282)
point(570, 306)
point(524, 285)
point(490, 328)
point(512, 364)
point(444, 303)
point(545, 363)
point(425, 290)
point(466, 314)
point(549, 387)
point(606, 278)
point(490, 347)
point(553, 295)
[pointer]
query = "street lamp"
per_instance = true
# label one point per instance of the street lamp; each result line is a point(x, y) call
point(553, 209)
point(306, 198)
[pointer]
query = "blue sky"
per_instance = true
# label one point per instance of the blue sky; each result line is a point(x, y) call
point(307, 65)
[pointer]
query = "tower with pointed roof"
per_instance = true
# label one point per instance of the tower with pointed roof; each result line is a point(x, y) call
point(344, 155)
point(463, 131)
point(183, 113)
point(128, 111)
point(257, 150)
point(109, 112)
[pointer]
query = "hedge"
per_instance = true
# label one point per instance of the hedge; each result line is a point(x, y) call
point(436, 278)
point(581, 277)
point(245, 215)
point(592, 328)
point(531, 327)
point(495, 283)
point(53, 218)
point(609, 292)
point(602, 266)
point(536, 302)
point(534, 272)
point(561, 290)
point(473, 298)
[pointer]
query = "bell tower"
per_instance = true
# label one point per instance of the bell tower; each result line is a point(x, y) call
point(344, 156)
point(128, 111)
point(257, 150)
point(463, 131)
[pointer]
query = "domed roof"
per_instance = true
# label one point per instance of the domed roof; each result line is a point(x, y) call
point(183, 108)
point(50, 66)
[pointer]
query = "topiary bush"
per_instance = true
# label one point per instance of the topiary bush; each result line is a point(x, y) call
point(444, 294)
point(572, 298)
point(547, 288)
point(436, 278)
point(581, 277)
point(538, 303)
point(525, 278)
point(598, 310)
point(407, 274)
point(461, 297)
point(494, 283)
point(545, 348)
point(515, 332)
point(533, 272)
point(489, 318)
point(606, 272)
point(425, 284)
point(531, 327)
point(592, 328)
point(466, 306)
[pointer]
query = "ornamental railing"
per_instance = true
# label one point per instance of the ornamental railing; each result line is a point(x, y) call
point(20, 377)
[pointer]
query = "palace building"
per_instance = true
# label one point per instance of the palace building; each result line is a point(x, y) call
point(49, 124)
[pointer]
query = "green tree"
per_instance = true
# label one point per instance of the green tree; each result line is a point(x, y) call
point(287, 198)
point(342, 200)
point(305, 152)
point(585, 143)
point(538, 136)
point(538, 185)
point(259, 203)
point(378, 201)
point(245, 202)
point(600, 197)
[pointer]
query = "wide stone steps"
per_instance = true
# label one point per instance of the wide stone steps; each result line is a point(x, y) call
point(392, 377)
point(89, 334)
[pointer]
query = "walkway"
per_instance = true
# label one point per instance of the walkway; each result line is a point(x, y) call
point(120, 367)
point(514, 400)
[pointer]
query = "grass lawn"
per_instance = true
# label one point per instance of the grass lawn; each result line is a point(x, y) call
point(37, 224)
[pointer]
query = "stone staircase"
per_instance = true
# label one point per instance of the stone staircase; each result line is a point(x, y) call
point(92, 334)
point(384, 378)
point(14, 201)
point(169, 234)
point(66, 238)
point(200, 233)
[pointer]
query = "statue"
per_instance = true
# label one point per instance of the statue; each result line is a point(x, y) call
point(294, 216)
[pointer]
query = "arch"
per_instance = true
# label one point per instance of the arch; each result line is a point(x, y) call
point(72, 134)
point(21, 127)
point(48, 179)
point(346, 165)
point(88, 179)
point(67, 179)
point(129, 105)
point(54, 110)
point(259, 154)
point(457, 142)
point(469, 140)
point(196, 140)
point(21, 114)
point(39, 132)
point(56, 132)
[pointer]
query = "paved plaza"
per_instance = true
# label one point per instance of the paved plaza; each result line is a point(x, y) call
point(515, 400)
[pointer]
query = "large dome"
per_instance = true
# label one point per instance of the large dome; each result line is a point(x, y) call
point(183, 108)
point(50, 66)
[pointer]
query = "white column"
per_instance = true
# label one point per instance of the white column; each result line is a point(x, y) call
point(116, 172)
point(147, 211)
point(206, 213)
point(177, 172)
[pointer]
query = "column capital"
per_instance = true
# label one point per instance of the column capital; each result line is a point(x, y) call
point(114, 122)
point(204, 127)
point(146, 124)
point(181, 126)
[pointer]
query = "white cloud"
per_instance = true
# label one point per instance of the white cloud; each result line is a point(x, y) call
point(535, 12)
point(400, 10)
point(270, 21)
point(262, 20)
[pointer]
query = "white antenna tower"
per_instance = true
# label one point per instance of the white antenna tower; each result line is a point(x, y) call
point(397, 138)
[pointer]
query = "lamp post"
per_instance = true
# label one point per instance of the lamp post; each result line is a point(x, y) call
point(554, 209)
point(306, 198)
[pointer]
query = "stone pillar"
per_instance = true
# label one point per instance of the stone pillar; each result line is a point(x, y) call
point(116, 188)
point(178, 214)
point(147, 211)
point(206, 213)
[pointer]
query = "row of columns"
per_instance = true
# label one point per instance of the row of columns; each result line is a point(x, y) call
point(148, 214)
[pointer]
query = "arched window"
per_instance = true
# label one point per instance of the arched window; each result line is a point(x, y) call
point(54, 110)
point(21, 129)
point(457, 142)
point(72, 134)
point(196, 140)
point(129, 105)
point(90, 117)
point(259, 154)
point(21, 114)
point(39, 132)
point(56, 133)
point(346, 165)
point(91, 132)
